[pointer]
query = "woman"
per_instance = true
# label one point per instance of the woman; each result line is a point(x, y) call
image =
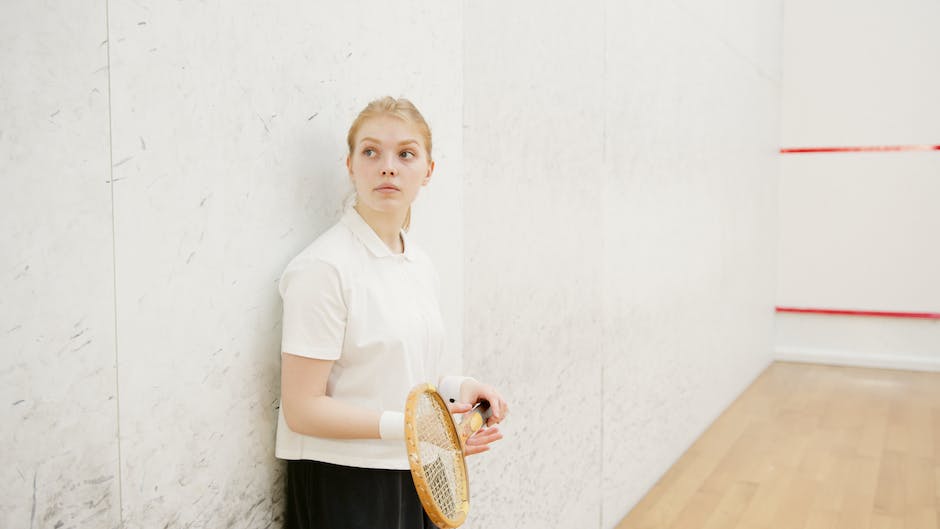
point(361, 327)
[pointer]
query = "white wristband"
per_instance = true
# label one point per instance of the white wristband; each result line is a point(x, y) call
point(392, 425)
point(449, 388)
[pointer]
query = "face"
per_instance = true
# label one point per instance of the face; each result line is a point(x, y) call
point(388, 164)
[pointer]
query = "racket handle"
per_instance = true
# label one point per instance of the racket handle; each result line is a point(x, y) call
point(473, 420)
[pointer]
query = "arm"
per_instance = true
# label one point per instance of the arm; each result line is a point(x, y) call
point(309, 411)
point(314, 324)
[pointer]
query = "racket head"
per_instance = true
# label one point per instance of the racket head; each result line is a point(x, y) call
point(435, 454)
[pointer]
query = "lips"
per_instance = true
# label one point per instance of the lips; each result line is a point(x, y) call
point(387, 187)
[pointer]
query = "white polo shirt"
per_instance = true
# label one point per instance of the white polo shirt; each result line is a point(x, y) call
point(348, 298)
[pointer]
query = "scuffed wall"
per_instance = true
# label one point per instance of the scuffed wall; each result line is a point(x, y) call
point(58, 400)
point(225, 158)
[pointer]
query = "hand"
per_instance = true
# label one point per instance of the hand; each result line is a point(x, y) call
point(480, 440)
point(473, 391)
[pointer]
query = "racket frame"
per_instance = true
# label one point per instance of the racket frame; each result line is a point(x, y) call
point(471, 423)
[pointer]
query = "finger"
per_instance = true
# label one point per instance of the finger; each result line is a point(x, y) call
point(458, 407)
point(499, 404)
point(486, 433)
point(494, 400)
point(484, 441)
point(473, 450)
point(485, 437)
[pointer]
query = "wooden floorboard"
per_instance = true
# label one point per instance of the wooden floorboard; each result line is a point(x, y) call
point(810, 447)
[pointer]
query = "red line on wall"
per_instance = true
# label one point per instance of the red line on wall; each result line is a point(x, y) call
point(882, 313)
point(872, 148)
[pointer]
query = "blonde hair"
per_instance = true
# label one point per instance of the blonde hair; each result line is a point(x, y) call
point(400, 108)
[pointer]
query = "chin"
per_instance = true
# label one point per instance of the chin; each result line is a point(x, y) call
point(385, 206)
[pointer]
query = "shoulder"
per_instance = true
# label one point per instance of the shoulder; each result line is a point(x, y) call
point(332, 253)
point(337, 246)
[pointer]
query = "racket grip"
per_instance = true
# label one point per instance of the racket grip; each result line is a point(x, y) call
point(473, 420)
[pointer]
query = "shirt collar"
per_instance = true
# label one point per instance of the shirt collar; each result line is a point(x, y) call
point(367, 236)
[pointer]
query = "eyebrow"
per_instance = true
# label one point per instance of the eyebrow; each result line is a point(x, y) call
point(403, 142)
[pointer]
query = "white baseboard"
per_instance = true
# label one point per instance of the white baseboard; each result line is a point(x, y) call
point(855, 359)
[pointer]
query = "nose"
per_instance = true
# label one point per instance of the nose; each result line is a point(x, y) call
point(388, 168)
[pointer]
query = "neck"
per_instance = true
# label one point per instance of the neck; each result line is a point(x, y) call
point(386, 225)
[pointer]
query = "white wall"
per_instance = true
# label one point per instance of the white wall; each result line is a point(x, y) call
point(58, 427)
point(690, 226)
point(602, 216)
point(533, 228)
point(620, 206)
point(234, 141)
point(859, 231)
point(227, 125)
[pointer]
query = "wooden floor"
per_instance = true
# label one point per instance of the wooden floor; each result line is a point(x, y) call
point(810, 447)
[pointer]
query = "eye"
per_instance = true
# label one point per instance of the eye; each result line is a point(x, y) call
point(406, 154)
point(369, 152)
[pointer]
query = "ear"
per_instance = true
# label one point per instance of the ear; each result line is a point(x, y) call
point(427, 177)
point(349, 166)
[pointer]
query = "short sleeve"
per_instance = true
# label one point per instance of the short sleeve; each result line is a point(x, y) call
point(314, 321)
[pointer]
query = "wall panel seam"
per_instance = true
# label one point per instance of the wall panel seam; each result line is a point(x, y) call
point(117, 378)
point(603, 318)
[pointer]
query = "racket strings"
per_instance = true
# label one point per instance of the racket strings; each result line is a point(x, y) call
point(440, 453)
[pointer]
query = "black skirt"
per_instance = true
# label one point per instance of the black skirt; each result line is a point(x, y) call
point(326, 496)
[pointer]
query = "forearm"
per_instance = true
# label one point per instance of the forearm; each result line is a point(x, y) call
point(324, 416)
